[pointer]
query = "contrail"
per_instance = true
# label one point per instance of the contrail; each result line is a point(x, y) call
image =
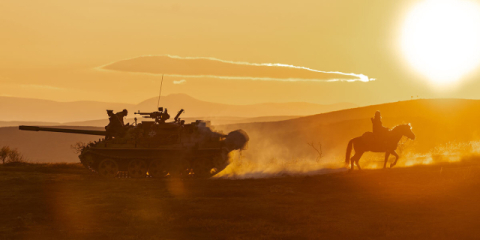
point(265, 78)
point(361, 77)
point(358, 77)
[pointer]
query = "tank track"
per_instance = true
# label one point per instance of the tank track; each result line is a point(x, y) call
point(196, 165)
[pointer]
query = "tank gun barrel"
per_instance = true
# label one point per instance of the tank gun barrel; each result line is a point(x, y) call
point(63, 130)
point(143, 113)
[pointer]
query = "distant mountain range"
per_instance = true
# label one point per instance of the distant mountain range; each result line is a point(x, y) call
point(52, 113)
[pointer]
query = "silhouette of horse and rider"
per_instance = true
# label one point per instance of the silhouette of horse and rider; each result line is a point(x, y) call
point(381, 139)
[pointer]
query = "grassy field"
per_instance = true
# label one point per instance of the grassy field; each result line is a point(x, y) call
point(67, 202)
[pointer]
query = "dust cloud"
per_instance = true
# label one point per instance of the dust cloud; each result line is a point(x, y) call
point(269, 163)
point(262, 167)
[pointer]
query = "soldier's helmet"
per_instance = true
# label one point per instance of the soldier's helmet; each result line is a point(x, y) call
point(125, 112)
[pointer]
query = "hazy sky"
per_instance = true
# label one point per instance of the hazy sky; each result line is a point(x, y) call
point(54, 49)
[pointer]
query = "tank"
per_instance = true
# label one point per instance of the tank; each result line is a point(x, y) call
point(155, 147)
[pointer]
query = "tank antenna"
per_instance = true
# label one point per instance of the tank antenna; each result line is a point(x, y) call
point(160, 93)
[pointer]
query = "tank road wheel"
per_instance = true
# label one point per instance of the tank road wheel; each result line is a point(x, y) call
point(202, 168)
point(158, 169)
point(108, 168)
point(178, 167)
point(137, 168)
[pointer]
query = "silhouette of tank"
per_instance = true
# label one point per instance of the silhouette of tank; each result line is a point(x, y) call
point(156, 148)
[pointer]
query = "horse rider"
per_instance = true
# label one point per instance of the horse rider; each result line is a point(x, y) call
point(378, 129)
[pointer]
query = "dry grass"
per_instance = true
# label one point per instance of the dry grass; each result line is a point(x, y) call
point(52, 201)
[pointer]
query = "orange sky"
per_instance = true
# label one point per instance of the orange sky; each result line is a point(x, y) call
point(52, 49)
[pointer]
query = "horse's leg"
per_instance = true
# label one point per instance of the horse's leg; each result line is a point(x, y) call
point(352, 162)
point(396, 158)
point(387, 154)
point(356, 158)
point(353, 159)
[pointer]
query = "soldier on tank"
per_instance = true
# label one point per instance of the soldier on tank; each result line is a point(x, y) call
point(121, 115)
point(116, 125)
point(165, 116)
point(110, 113)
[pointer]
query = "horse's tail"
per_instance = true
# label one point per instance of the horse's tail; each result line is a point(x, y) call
point(349, 151)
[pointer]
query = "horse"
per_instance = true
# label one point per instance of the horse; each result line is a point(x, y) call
point(387, 143)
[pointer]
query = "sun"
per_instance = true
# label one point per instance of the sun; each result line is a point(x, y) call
point(441, 39)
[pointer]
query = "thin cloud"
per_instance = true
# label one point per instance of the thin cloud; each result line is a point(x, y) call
point(204, 67)
point(179, 81)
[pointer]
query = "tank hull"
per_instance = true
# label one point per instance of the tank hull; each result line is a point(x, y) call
point(176, 160)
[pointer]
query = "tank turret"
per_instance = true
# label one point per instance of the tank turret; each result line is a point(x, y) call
point(156, 148)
